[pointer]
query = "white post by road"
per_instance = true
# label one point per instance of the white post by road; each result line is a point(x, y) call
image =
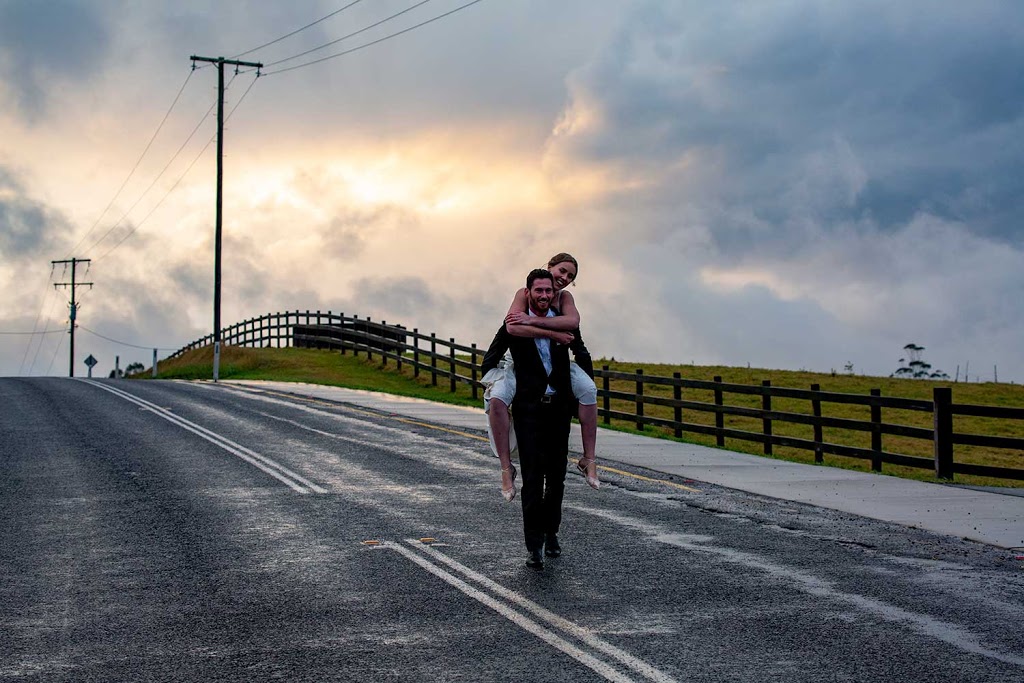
point(154, 363)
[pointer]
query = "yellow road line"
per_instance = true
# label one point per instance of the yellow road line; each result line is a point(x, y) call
point(643, 478)
point(406, 420)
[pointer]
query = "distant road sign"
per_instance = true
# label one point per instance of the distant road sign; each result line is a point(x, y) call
point(90, 361)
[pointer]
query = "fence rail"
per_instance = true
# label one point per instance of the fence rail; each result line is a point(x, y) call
point(447, 361)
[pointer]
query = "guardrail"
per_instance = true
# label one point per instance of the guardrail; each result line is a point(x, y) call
point(454, 363)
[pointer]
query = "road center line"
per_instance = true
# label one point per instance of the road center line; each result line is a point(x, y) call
point(585, 635)
point(283, 474)
point(600, 667)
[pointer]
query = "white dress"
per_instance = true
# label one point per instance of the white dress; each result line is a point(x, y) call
point(500, 383)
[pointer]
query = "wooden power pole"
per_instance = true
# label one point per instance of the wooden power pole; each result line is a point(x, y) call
point(74, 305)
point(220, 62)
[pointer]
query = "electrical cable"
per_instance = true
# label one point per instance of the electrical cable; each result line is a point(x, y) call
point(136, 166)
point(379, 40)
point(60, 343)
point(155, 180)
point(180, 178)
point(338, 40)
point(35, 325)
point(298, 30)
point(116, 341)
point(54, 298)
point(39, 332)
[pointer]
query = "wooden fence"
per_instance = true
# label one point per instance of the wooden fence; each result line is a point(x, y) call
point(425, 353)
point(455, 363)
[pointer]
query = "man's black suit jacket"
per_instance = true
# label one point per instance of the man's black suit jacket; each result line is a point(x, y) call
point(532, 379)
point(502, 340)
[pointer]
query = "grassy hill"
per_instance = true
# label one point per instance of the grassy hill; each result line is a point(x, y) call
point(332, 368)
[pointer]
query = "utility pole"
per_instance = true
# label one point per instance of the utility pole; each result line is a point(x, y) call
point(74, 306)
point(220, 62)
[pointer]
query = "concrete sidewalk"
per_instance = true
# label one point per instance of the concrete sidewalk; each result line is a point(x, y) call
point(993, 518)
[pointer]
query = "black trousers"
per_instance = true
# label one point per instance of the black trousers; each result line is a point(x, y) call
point(542, 431)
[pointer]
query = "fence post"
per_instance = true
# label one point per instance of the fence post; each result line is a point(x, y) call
point(819, 454)
point(605, 386)
point(355, 336)
point(383, 344)
point(942, 406)
point(472, 359)
point(766, 422)
point(415, 352)
point(451, 363)
point(341, 324)
point(677, 394)
point(433, 359)
point(719, 415)
point(876, 433)
point(640, 399)
point(399, 348)
point(366, 338)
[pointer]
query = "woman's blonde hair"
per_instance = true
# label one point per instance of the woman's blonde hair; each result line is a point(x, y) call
point(562, 258)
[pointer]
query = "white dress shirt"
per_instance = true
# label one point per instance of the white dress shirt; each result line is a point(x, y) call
point(544, 348)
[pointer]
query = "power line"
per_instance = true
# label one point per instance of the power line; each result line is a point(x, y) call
point(356, 33)
point(157, 205)
point(298, 30)
point(155, 180)
point(35, 332)
point(136, 166)
point(39, 347)
point(379, 40)
point(35, 325)
point(60, 343)
point(180, 178)
point(116, 341)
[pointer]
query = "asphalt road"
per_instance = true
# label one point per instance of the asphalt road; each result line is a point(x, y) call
point(157, 531)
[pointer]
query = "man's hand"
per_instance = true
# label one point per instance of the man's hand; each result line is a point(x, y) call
point(516, 318)
point(561, 337)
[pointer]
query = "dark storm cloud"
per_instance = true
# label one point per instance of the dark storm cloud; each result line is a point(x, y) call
point(820, 113)
point(346, 235)
point(25, 223)
point(65, 42)
point(406, 297)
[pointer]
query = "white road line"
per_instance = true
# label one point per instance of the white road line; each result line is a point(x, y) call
point(924, 624)
point(585, 635)
point(288, 477)
point(600, 667)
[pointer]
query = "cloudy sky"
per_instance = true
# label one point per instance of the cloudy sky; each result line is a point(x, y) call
point(785, 183)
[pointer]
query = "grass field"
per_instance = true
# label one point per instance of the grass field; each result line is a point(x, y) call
point(332, 368)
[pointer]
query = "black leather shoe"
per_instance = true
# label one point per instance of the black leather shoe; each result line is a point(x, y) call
point(535, 561)
point(551, 546)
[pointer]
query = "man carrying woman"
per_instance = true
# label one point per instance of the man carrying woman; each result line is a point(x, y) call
point(500, 379)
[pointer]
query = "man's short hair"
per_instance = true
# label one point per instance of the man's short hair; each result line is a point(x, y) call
point(538, 274)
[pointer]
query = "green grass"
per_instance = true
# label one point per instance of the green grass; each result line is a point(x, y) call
point(331, 368)
point(315, 367)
